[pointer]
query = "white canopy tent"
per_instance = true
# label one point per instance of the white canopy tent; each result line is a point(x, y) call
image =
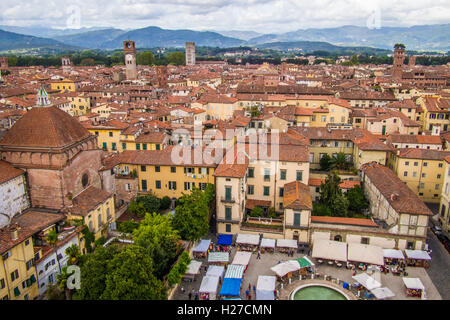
point(267, 243)
point(287, 243)
point(209, 286)
point(193, 267)
point(365, 253)
point(332, 250)
point(249, 239)
point(265, 288)
point(413, 283)
point(382, 293)
point(215, 271)
point(202, 246)
point(242, 258)
point(284, 268)
point(235, 271)
point(417, 254)
point(393, 254)
point(366, 281)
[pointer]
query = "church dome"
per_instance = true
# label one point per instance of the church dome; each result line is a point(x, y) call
point(45, 127)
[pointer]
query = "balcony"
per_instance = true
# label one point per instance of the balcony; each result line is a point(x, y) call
point(227, 199)
point(263, 225)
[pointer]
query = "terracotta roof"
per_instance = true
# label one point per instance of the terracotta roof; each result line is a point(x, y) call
point(297, 196)
point(425, 154)
point(394, 190)
point(8, 172)
point(408, 138)
point(88, 200)
point(45, 127)
point(251, 203)
point(341, 220)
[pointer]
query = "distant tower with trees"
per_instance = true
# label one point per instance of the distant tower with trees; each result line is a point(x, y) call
point(129, 50)
point(399, 58)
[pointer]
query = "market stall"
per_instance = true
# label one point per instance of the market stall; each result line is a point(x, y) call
point(265, 288)
point(417, 258)
point(218, 258)
point(286, 245)
point(286, 270)
point(216, 271)
point(366, 281)
point(382, 293)
point(414, 287)
point(267, 245)
point(192, 271)
point(364, 253)
point(306, 265)
point(231, 288)
point(208, 288)
point(242, 258)
point(247, 242)
point(201, 250)
point(235, 271)
point(392, 256)
point(329, 250)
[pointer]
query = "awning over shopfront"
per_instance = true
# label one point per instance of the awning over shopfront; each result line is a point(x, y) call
point(330, 250)
point(365, 253)
point(267, 243)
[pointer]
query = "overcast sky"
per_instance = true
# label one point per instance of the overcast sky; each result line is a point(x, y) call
point(265, 16)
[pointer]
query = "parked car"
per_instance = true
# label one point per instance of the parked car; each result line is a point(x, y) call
point(445, 241)
point(436, 229)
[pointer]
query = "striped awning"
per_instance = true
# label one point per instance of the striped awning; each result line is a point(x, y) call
point(218, 257)
point(235, 271)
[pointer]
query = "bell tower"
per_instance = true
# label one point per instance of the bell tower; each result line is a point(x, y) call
point(129, 50)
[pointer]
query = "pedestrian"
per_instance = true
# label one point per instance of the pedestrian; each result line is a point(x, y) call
point(249, 296)
point(182, 289)
point(190, 295)
point(247, 293)
point(254, 289)
point(249, 287)
point(196, 295)
point(259, 255)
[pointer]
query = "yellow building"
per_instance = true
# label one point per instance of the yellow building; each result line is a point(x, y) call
point(217, 106)
point(444, 209)
point(64, 85)
point(80, 104)
point(422, 170)
point(134, 138)
point(436, 112)
point(97, 210)
point(159, 173)
point(108, 134)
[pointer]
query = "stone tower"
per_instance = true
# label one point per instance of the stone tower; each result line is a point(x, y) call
point(161, 76)
point(399, 58)
point(129, 50)
point(66, 64)
point(3, 63)
point(190, 53)
point(412, 61)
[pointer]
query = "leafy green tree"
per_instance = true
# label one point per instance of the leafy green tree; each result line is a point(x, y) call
point(160, 240)
point(87, 62)
point(331, 196)
point(325, 163)
point(89, 238)
point(136, 208)
point(93, 273)
point(192, 215)
point(128, 226)
point(257, 212)
point(150, 202)
point(131, 277)
point(61, 280)
point(165, 203)
point(176, 58)
point(54, 293)
point(320, 209)
point(357, 200)
point(52, 239)
point(145, 58)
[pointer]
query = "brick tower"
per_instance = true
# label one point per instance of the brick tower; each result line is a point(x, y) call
point(129, 50)
point(399, 58)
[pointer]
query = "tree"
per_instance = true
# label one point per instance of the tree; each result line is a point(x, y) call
point(151, 203)
point(331, 196)
point(131, 277)
point(87, 62)
point(325, 162)
point(128, 226)
point(145, 58)
point(257, 212)
point(192, 215)
point(165, 203)
point(54, 293)
point(89, 237)
point(61, 280)
point(176, 58)
point(137, 209)
point(339, 161)
point(73, 252)
point(52, 239)
point(160, 240)
point(357, 200)
point(93, 273)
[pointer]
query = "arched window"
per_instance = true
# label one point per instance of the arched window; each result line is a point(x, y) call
point(85, 180)
point(338, 238)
